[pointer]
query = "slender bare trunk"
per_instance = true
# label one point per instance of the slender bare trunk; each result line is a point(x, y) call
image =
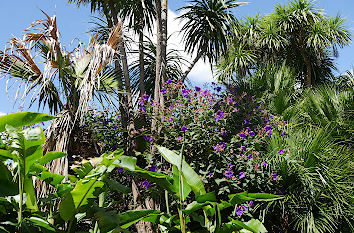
point(190, 67)
point(308, 82)
point(130, 123)
point(141, 58)
point(158, 66)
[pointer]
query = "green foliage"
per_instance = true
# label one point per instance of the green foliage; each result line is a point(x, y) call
point(205, 202)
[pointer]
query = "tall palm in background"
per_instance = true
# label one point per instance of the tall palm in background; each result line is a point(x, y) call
point(206, 28)
point(140, 15)
point(69, 82)
point(298, 33)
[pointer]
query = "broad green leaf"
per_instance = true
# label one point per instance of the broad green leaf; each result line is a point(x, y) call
point(79, 197)
point(208, 197)
point(7, 155)
point(83, 170)
point(20, 119)
point(51, 178)
point(114, 185)
point(31, 200)
point(41, 223)
point(239, 198)
point(8, 186)
point(176, 183)
point(164, 181)
point(50, 156)
point(192, 178)
point(253, 225)
point(130, 217)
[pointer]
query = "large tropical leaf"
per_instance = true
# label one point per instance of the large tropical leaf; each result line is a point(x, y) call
point(20, 119)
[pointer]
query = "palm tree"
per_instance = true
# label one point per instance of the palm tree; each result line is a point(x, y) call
point(174, 64)
point(69, 82)
point(310, 35)
point(206, 27)
point(140, 15)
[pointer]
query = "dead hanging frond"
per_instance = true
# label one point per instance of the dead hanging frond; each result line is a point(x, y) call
point(101, 56)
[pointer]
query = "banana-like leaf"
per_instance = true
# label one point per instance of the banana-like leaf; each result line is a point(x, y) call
point(41, 223)
point(31, 200)
point(164, 181)
point(50, 156)
point(192, 178)
point(130, 217)
point(239, 198)
point(8, 186)
point(186, 189)
point(253, 225)
point(20, 119)
point(79, 197)
point(114, 185)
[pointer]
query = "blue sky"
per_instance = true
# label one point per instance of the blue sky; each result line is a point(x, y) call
point(74, 23)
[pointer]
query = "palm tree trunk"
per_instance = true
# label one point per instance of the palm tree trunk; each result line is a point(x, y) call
point(164, 11)
point(141, 58)
point(185, 74)
point(130, 123)
point(158, 66)
point(308, 76)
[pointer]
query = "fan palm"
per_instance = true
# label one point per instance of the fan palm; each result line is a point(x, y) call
point(69, 81)
point(206, 27)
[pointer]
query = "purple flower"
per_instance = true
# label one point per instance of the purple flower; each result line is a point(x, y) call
point(170, 118)
point(243, 148)
point(251, 133)
point(147, 138)
point(218, 89)
point(264, 164)
point(223, 133)
point(197, 88)
point(228, 173)
point(280, 152)
point(219, 115)
point(242, 175)
point(163, 91)
point(145, 184)
point(282, 133)
point(268, 128)
point(120, 170)
point(275, 176)
point(250, 157)
point(223, 144)
point(251, 204)
point(247, 120)
point(141, 102)
point(143, 109)
point(239, 211)
point(169, 81)
point(216, 148)
point(230, 165)
point(184, 129)
point(179, 138)
point(153, 168)
point(242, 135)
point(145, 97)
point(184, 93)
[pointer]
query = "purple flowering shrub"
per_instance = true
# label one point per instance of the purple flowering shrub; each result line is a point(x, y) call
point(223, 133)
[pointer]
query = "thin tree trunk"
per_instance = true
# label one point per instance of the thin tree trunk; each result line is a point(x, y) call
point(130, 125)
point(141, 58)
point(158, 66)
point(185, 74)
point(164, 11)
point(308, 76)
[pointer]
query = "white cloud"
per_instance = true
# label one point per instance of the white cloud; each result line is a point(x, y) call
point(201, 72)
point(2, 114)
